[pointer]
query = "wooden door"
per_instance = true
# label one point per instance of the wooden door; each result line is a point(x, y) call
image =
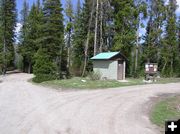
point(120, 70)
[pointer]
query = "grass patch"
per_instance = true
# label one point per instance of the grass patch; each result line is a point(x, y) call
point(167, 80)
point(166, 109)
point(84, 83)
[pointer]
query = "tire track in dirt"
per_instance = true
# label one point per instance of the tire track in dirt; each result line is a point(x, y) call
point(30, 109)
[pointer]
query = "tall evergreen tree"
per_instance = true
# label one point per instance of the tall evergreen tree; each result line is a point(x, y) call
point(124, 25)
point(154, 31)
point(53, 34)
point(8, 10)
point(125, 15)
point(169, 51)
point(139, 15)
point(31, 36)
point(106, 27)
point(78, 41)
point(23, 33)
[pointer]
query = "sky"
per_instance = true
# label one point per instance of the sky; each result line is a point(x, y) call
point(20, 3)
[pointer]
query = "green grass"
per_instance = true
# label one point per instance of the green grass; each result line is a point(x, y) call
point(77, 83)
point(166, 109)
point(167, 80)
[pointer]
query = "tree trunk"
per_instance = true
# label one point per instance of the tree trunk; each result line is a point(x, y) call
point(96, 28)
point(101, 28)
point(60, 62)
point(172, 68)
point(87, 41)
point(68, 54)
point(29, 68)
point(164, 67)
point(136, 53)
point(4, 42)
point(69, 47)
point(4, 57)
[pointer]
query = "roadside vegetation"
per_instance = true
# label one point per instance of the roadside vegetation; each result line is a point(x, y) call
point(87, 83)
point(166, 109)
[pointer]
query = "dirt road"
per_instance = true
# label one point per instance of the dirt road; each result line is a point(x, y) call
point(30, 109)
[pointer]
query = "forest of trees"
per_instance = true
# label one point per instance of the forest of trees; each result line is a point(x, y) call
point(55, 43)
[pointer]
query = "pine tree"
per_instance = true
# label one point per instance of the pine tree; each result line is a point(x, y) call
point(8, 24)
point(106, 26)
point(125, 15)
point(23, 33)
point(53, 34)
point(124, 25)
point(154, 30)
point(139, 15)
point(44, 69)
point(39, 5)
point(78, 41)
point(169, 51)
point(31, 33)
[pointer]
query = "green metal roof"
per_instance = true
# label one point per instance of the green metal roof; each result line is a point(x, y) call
point(104, 56)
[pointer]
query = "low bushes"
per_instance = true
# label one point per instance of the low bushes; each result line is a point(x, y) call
point(43, 77)
point(44, 69)
point(94, 76)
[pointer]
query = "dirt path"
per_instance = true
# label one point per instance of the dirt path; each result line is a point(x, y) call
point(29, 109)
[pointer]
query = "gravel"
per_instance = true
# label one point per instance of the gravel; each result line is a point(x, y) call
point(26, 108)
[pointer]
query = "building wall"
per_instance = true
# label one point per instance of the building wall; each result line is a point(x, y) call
point(107, 69)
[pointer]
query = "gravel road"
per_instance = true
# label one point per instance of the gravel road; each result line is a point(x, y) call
point(26, 108)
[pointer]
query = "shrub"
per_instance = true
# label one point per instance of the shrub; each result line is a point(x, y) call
point(44, 69)
point(94, 75)
point(43, 77)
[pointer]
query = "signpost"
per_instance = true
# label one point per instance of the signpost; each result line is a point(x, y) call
point(151, 70)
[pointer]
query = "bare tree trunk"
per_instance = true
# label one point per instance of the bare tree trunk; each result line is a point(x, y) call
point(171, 67)
point(101, 28)
point(137, 50)
point(60, 62)
point(96, 28)
point(68, 58)
point(4, 57)
point(163, 69)
point(69, 48)
point(29, 68)
point(68, 52)
point(87, 41)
